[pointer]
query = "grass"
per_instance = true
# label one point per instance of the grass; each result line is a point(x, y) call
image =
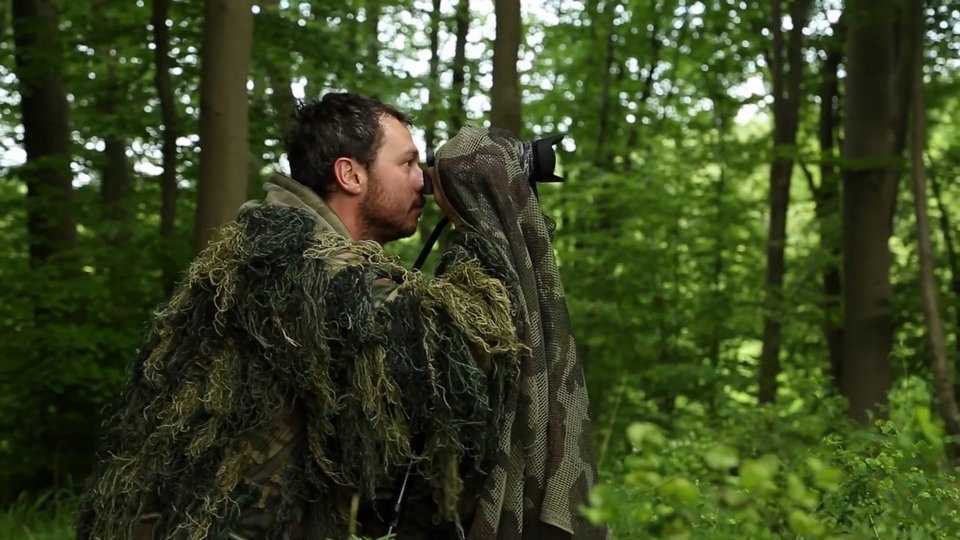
point(43, 518)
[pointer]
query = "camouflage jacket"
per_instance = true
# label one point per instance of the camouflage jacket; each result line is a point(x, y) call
point(292, 378)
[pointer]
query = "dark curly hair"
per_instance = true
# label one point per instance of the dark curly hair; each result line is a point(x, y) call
point(337, 125)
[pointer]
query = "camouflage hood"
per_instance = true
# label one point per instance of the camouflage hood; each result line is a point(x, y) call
point(285, 191)
point(544, 464)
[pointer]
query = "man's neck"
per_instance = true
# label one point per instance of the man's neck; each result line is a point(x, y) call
point(346, 209)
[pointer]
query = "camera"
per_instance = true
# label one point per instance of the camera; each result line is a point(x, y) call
point(539, 159)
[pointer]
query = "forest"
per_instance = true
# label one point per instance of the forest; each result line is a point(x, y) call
point(757, 232)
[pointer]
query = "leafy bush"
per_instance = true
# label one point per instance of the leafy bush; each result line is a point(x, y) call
point(770, 472)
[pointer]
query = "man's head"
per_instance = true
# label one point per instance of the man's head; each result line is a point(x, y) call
point(357, 154)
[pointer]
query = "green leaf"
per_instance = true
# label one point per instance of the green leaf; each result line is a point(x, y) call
point(757, 474)
point(733, 498)
point(799, 493)
point(824, 477)
point(680, 490)
point(640, 433)
point(722, 458)
point(805, 524)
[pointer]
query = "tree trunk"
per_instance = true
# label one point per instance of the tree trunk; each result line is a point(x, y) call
point(431, 214)
point(874, 129)
point(603, 114)
point(786, 74)
point(222, 186)
point(116, 174)
point(282, 100)
point(4, 9)
point(946, 229)
point(942, 376)
point(656, 47)
point(433, 80)
point(51, 226)
point(721, 121)
point(373, 8)
point(505, 94)
point(827, 202)
point(170, 127)
point(458, 109)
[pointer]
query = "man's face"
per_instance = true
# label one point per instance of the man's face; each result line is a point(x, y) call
point(393, 201)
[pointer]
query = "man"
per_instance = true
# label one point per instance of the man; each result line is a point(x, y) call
point(299, 370)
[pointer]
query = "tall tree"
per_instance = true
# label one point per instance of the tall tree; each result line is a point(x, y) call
point(879, 51)
point(433, 79)
point(786, 73)
point(953, 261)
point(826, 198)
point(942, 374)
point(52, 235)
point(505, 94)
point(51, 224)
point(603, 114)
point(458, 109)
point(170, 127)
point(224, 121)
point(4, 9)
point(279, 70)
point(430, 215)
point(373, 9)
point(116, 172)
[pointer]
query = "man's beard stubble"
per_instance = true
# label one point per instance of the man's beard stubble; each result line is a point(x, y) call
point(382, 218)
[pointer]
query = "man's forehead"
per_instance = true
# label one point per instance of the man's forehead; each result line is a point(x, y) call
point(396, 135)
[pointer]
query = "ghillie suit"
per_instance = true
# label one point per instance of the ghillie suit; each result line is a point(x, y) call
point(544, 466)
point(290, 371)
point(293, 370)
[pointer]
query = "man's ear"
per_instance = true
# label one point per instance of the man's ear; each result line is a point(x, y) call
point(350, 175)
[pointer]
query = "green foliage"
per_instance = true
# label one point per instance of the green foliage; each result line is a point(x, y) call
point(776, 473)
point(46, 517)
point(76, 329)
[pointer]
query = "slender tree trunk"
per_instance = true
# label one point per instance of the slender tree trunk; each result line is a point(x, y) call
point(51, 225)
point(947, 230)
point(258, 104)
point(656, 46)
point(222, 186)
point(116, 174)
point(878, 46)
point(433, 81)
point(431, 214)
point(603, 114)
point(170, 127)
point(716, 292)
point(942, 376)
point(827, 202)
point(373, 8)
point(458, 109)
point(4, 9)
point(282, 100)
point(505, 94)
point(786, 74)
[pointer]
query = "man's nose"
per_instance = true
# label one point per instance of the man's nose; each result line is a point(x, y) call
point(419, 179)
